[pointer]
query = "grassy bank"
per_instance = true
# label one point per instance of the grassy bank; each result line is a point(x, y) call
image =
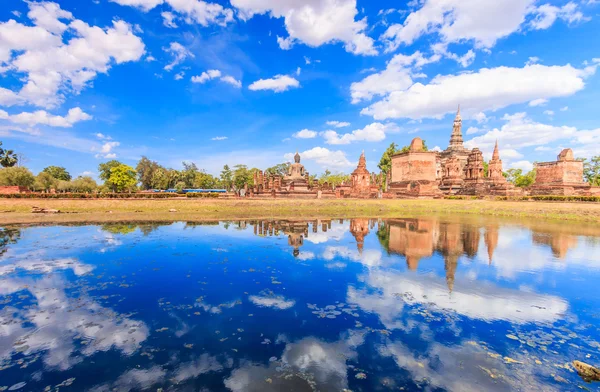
point(19, 211)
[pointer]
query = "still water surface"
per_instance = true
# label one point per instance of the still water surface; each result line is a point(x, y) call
point(328, 305)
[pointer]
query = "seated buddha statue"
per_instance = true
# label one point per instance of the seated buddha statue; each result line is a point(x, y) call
point(296, 170)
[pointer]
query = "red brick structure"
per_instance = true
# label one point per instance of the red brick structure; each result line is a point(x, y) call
point(414, 173)
point(363, 184)
point(359, 228)
point(11, 190)
point(562, 177)
point(456, 150)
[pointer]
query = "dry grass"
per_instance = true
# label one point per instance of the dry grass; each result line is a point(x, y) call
point(19, 210)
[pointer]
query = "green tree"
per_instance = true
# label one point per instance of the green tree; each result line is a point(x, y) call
point(206, 181)
point(242, 176)
point(279, 170)
point(123, 178)
point(226, 177)
point(8, 158)
point(334, 179)
point(145, 170)
point(16, 176)
point(60, 173)
point(385, 163)
point(520, 180)
point(44, 181)
point(84, 184)
point(104, 173)
point(189, 173)
point(160, 179)
point(486, 168)
point(591, 170)
point(180, 186)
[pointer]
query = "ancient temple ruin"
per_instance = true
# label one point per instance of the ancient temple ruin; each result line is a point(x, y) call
point(562, 177)
point(414, 172)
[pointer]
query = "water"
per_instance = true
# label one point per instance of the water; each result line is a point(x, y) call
point(329, 305)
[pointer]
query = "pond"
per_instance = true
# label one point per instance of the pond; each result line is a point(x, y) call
point(292, 305)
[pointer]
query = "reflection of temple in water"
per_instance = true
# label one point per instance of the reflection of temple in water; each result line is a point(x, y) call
point(560, 243)
point(295, 230)
point(416, 239)
point(360, 228)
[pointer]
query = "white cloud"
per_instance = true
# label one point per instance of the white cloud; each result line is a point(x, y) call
point(180, 75)
point(10, 98)
point(314, 22)
point(232, 81)
point(523, 165)
point(564, 109)
point(538, 102)
point(519, 132)
point(338, 124)
point(189, 11)
point(549, 112)
point(482, 22)
point(305, 134)
point(51, 67)
point(480, 118)
point(396, 77)
point(41, 117)
point(206, 76)
point(106, 150)
point(324, 157)
point(102, 136)
point(169, 19)
point(219, 138)
point(547, 14)
point(532, 60)
point(145, 5)
point(374, 132)
point(298, 71)
point(213, 74)
point(278, 84)
point(486, 89)
point(179, 53)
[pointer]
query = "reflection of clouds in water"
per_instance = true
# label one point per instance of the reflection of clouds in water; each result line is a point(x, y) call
point(468, 367)
point(369, 257)
point(304, 255)
point(271, 301)
point(475, 300)
point(57, 321)
point(309, 364)
point(336, 233)
point(142, 379)
point(31, 263)
point(138, 379)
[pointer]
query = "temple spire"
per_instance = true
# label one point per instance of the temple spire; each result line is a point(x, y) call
point(456, 140)
point(496, 154)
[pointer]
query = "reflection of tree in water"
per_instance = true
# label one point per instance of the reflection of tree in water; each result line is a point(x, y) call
point(8, 236)
point(119, 228)
point(383, 234)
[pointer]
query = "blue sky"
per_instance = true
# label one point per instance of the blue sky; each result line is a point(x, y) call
point(253, 81)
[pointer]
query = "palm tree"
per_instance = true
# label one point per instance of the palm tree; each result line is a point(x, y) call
point(8, 158)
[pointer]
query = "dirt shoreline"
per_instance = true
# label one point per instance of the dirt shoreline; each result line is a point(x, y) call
point(18, 211)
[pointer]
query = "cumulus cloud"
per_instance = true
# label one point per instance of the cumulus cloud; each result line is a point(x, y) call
point(374, 132)
point(480, 22)
point(314, 22)
point(41, 117)
point(397, 76)
point(219, 138)
point(547, 14)
point(51, 66)
point(305, 134)
point(214, 74)
point(338, 124)
point(106, 150)
point(324, 157)
point(486, 89)
point(190, 11)
point(179, 54)
point(278, 84)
